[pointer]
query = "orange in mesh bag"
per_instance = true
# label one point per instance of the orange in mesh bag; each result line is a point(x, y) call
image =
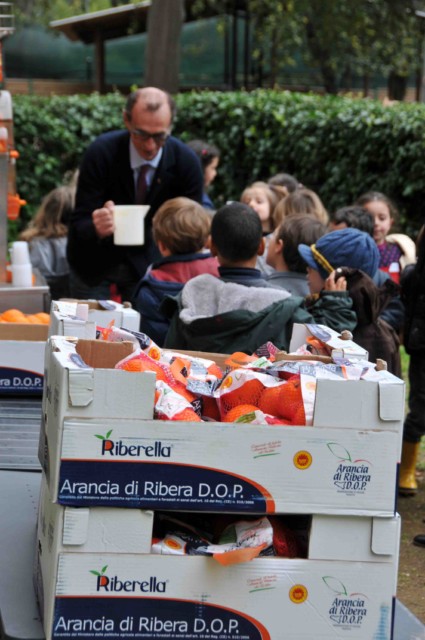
point(285, 401)
point(249, 392)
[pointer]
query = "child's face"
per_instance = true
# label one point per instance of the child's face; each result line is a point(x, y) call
point(382, 219)
point(274, 248)
point(210, 172)
point(315, 280)
point(257, 200)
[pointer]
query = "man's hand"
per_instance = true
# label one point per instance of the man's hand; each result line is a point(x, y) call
point(335, 285)
point(103, 220)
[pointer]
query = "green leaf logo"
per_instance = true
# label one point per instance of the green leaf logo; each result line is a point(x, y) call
point(339, 451)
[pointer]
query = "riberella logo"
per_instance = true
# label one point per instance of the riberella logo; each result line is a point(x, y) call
point(113, 584)
point(352, 475)
point(117, 448)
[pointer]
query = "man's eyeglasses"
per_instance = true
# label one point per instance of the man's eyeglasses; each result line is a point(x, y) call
point(159, 138)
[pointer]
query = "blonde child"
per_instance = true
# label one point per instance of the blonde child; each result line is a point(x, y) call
point(263, 198)
point(302, 201)
point(396, 250)
point(47, 238)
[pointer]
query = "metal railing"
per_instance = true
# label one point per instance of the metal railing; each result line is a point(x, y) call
point(7, 20)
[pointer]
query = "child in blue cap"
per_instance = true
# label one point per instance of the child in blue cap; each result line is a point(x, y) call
point(353, 254)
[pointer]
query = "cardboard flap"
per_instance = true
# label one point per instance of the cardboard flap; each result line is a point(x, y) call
point(385, 536)
point(391, 401)
point(75, 526)
point(103, 355)
point(17, 331)
point(81, 386)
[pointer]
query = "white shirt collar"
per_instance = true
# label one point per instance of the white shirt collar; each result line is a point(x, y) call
point(136, 160)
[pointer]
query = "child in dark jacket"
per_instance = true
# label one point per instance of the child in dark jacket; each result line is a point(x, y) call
point(354, 255)
point(181, 229)
point(240, 311)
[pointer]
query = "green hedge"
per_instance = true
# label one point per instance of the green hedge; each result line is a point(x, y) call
point(340, 147)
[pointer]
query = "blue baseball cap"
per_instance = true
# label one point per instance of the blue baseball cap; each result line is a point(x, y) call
point(342, 248)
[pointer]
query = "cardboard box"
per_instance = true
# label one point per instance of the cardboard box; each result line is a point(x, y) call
point(22, 348)
point(340, 348)
point(223, 467)
point(79, 382)
point(148, 596)
point(64, 320)
point(65, 530)
point(100, 446)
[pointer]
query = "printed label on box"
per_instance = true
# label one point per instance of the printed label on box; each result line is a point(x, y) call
point(20, 381)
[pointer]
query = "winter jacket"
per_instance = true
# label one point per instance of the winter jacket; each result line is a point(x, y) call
point(372, 332)
point(413, 294)
point(212, 315)
point(295, 283)
point(394, 311)
point(163, 278)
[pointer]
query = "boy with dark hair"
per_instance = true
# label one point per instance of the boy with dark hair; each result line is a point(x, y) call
point(180, 229)
point(239, 311)
point(352, 216)
point(282, 254)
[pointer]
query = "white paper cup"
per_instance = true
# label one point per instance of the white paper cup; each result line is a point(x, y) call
point(129, 224)
point(22, 275)
point(19, 253)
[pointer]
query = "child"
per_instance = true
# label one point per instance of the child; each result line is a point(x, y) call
point(283, 256)
point(301, 202)
point(263, 198)
point(359, 218)
point(285, 180)
point(233, 313)
point(180, 229)
point(396, 250)
point(352, 216)
point(209, 157)
point(354, 254)
point(413, 294)
point(47, 238)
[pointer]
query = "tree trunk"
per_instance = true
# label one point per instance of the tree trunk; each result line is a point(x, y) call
point(396, 86)
point(162, 61)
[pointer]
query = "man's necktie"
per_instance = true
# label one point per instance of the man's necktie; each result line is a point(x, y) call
point(142, 185)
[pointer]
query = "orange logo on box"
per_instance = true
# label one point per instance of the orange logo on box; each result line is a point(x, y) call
point(303, 459)
point(298, 593)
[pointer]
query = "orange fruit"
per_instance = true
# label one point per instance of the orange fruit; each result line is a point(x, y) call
point(188, 415)
point(270, 400)
point(139, 364)
point(32, 319)
point(210, 408)
point(249, 393)
point(291, 397)
point(13, 315)
point(299, 416)
point(44, 318)
point(238, 412)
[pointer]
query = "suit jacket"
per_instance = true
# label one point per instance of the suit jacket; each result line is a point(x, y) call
point(106, 174)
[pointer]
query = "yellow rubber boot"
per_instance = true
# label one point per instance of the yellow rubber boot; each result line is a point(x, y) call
point(407, 485)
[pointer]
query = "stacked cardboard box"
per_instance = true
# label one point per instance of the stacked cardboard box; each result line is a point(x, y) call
point(101, 450)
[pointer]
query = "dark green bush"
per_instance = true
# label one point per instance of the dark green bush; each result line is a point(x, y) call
point(340, 147)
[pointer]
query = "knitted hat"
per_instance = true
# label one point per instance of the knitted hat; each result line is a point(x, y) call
point(343, 248)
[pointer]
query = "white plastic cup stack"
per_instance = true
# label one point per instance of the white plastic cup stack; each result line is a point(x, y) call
point(21, 266)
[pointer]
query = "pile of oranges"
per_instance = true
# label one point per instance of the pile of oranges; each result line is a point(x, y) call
point(14, 315)
point(283, 401)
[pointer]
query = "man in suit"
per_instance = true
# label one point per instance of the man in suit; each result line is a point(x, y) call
point(142, 164)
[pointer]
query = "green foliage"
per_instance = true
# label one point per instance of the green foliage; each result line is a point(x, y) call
point(340, 147)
